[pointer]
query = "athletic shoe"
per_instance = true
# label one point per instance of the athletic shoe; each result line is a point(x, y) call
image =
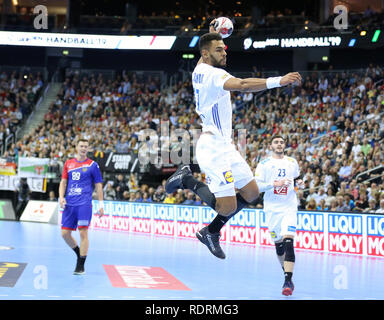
point(288, 288)
point(79, 268)
point(175, 181)
point(212, 241)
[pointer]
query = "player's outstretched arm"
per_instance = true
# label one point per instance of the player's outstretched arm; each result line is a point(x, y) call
point(260, 84)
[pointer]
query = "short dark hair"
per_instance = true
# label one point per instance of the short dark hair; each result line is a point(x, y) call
point(278, 136)
point(82, 140)
point(205, 39)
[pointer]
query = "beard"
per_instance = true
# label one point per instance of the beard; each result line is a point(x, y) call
point(216, 63)
point(274, 150)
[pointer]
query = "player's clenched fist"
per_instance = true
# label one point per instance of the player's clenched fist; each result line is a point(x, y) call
point(291, 78)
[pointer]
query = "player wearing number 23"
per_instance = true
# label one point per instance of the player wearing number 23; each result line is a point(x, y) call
point(277, 176)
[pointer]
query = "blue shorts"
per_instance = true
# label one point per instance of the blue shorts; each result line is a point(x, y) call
point(76, 217)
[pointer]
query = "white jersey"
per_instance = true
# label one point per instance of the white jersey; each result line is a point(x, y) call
point(280, 198)
point(213, 103)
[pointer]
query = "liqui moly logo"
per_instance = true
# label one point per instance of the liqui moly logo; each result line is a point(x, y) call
point(187, 214)
point(310, 221)
point(244, 218)
point(265, 237)
point(263, 218)
point(186, 229)
point(242, 234)
point(164, 212)
point(309, 240)
point(164, 227)
point(141, 210)
point(375, 225)
point(343, 223)
point(119, 209)
point(120, 223)
point(208, 214)
point(345, 243)
point(375, 235)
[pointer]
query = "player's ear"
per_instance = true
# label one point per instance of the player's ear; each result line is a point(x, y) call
point(205, 53)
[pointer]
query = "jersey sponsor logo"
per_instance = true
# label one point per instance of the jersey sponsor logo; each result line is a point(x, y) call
point(273, 235)
point(282, 191)
point(228, 176)
point(75, 191)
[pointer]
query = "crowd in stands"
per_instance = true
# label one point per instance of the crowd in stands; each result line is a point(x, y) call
point(18, 94)
point(333, 122)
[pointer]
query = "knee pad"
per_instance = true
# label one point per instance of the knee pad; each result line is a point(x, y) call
point(279, 248)
point(289, 250)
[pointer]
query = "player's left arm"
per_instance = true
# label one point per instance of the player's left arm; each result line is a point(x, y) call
point(298, 181)
point(100, 197)
point(260, 84)
point(98, 179)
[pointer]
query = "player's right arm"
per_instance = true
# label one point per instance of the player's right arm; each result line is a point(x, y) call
point(62, 189)
point(63, 186)
point(260, 84)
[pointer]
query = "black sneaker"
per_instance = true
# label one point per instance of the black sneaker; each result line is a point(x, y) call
point(175, 181)
point(79, 268)
point(212, 241)
point(288, 288)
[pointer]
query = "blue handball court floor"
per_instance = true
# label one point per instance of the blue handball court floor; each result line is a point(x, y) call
point(36, 264)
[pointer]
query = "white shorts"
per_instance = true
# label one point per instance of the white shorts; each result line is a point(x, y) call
point(224, 167)
point(282, 224)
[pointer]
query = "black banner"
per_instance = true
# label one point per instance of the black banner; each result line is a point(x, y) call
point(117, 162)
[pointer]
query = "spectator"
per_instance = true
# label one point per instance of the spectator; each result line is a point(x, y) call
point(159, 195)
point(330, 197)
point(341, 206)
point(109, 192)
point(381, 209)
point(120, 187)
point(189, 200)
point(311, 204)
point(321, 206)
point(372, 208)
point(362, 202)
point(170, 198)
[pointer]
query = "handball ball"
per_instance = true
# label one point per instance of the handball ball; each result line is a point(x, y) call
point(225, 25)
